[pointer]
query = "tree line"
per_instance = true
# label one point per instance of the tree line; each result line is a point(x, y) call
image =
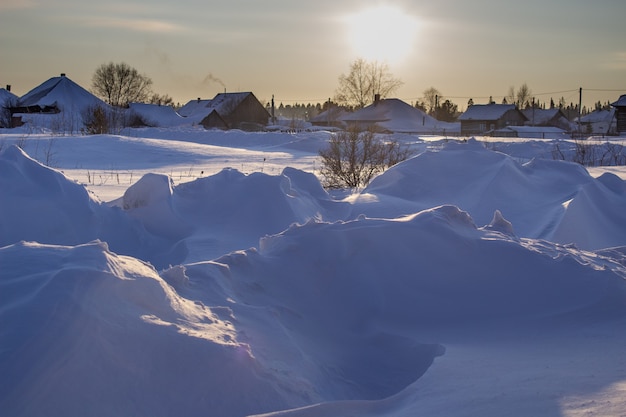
point(119, 84)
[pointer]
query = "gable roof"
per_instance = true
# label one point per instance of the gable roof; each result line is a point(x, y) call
point(157, 115)
point(487, 112)
point(7, 98)
point(540, 116)
point(621, 101)
point(397, 116)
point(60, 92)
point(333, 114)
point(225, 103)
point(598, 116)
point(222, 103)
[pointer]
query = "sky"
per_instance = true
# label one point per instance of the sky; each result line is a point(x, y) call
point(296, 51)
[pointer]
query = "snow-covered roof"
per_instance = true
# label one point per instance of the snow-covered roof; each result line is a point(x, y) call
point(598, 116)
point(486, 111)
point(540, 116)
point(156, 115)
point(7, 98)
point(333, 114)
point(397, 116)
point(223, 103)
point(60, 92)
point(194, 107)
point(538, 132)
point(621, 101)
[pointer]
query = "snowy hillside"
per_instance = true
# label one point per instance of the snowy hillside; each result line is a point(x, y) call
point(192, 272)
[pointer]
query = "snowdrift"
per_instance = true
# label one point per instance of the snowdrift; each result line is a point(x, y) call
point(543, 199)
point(440, 289)
point(43, 205)
point(322, 312)
point(89, 332)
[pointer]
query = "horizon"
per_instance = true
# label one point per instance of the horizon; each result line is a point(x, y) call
point(296, 53)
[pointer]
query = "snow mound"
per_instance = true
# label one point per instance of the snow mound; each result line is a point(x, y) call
point(348, 310)
point(47, 207)
point(150, 201)
point(234, 209)
point(539, 197)
point(107, 332)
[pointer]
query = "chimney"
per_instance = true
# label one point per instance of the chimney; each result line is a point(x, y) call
point(62, 74)
point(8, 87)
point(376, 98)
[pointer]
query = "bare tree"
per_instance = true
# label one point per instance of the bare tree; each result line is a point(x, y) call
point(365, 80)
point(120, 84)
point(354, 157)
point(431, 96)
point(161, 100)
point(522, 98)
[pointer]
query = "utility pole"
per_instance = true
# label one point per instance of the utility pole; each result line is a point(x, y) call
point(580, 106)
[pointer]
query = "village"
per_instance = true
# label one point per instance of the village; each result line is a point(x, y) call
point(62, 106)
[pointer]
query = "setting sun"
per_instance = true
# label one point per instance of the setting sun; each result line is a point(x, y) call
point(382, 33)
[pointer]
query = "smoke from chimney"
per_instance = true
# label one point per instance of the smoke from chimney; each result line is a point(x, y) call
point(210, 78)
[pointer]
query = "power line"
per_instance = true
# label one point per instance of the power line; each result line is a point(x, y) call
point(444, 96)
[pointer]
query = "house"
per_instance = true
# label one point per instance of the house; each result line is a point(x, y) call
point(533, 132)
point(394, 115)
point(620, 114)
point(155, 115)
point(60, 100)
point(332, 117)
point(599, 122)
point(483, 118)
point(227, 111)
point(7, 101)
point(553, 117)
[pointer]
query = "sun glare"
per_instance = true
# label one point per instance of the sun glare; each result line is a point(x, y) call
point(382, 33)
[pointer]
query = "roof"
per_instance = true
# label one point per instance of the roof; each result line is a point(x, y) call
point(157, 115)
point(225, 103)
point(598, 116)
point(333, 114)
point(537, 132)
point(222, 103)
point(7, 98)
point(397, 116)
point(621, 101)
point(486, 111)
point(60, 92)
point(540, 116)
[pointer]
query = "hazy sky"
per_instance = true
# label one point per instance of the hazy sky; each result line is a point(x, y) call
point(296, 50)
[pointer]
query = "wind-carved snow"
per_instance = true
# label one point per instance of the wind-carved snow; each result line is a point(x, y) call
point(459, 282)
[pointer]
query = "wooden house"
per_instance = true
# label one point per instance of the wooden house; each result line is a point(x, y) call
point(58, 102)
point(620, 114)
point(394, 115)
point(483, 118)
point(548, 118)
point(228, 111)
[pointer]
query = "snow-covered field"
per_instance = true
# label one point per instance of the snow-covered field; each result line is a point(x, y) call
point(187, 272)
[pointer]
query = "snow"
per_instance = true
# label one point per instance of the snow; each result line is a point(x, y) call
point(486, 111)
point(621, 102)
point(7, 98)
point(397, 116)
point(179, 271)
point(62, 93)
point(157, 115)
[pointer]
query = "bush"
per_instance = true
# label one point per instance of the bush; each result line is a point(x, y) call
point(96, 120)
point(354, 157)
